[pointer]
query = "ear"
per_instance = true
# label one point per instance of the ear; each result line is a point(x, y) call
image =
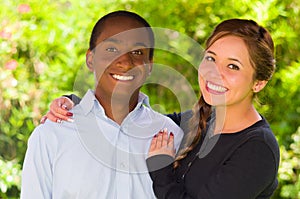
point(150, 66)
point(89, 56)
point(259, 85)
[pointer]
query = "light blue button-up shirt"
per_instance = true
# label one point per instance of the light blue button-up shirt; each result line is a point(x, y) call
point(93, 157)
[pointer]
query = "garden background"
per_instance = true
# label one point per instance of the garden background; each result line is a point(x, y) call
point(42, 50)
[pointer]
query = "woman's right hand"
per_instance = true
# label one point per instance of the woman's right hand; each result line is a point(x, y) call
point(59, 110)
point(162, 144)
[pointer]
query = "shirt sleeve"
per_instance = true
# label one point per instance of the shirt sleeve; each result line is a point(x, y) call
point(74, 98)
point(181, 119)
point(164, 180)
point(176, 117)
point(245, 174)
point(37, 172)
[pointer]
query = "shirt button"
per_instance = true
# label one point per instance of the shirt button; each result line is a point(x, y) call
point(123, 165)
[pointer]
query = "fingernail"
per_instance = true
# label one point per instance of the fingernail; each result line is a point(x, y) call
point(70, 120)
point(58, 120)
point(64, 106)
point(69, 114)
point(171, 134)
point(165, 130)
point(155, 136)
point(42, 121)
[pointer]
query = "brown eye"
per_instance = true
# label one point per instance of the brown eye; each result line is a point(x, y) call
point(209, 58)
point(233, 67)
point(137, 52)
point(111, 49)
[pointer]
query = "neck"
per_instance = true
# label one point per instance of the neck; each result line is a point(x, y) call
point(118, 108)
point(234, 119)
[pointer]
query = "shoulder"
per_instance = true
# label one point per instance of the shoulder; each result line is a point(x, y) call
point(51, 133)
point(163, 119)
point(261, 136)
point(159, 121)
point(182, 119)
point(262, 131)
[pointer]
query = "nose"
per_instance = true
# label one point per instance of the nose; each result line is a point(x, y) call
point(125, 61)
point(210, 68)
point(218, 69)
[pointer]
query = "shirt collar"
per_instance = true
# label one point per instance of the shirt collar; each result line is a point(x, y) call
point(143, 100)
point(89, 101)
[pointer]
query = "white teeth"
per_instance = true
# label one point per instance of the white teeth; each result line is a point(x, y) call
point(216, 87)
point(123, 78)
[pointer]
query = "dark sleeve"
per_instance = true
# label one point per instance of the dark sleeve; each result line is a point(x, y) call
point(74, 98)
point(181, 119)
point(248, 172)
point(164, 181)
point(176, 117)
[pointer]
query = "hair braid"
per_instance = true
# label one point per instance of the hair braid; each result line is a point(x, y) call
point(201, 112)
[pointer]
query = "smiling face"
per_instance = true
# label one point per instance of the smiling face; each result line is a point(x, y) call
point(226, 74)
point(120, 61)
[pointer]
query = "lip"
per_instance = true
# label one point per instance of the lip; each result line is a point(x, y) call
point(215, 89)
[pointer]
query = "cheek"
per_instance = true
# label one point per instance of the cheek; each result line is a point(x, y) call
point(142, 71)
point(104, 59)
point(242, 82)
point(201, 83)
point(201, 72)
point(98, 71)
point(101, 63)
point(204, 72)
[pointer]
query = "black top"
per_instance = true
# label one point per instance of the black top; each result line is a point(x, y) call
point(242, 165)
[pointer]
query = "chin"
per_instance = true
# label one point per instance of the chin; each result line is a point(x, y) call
point(215, 100)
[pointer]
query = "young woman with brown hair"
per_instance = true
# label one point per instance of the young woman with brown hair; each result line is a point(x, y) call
point(230, 151)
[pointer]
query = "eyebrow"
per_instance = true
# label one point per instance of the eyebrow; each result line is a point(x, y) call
point(118, 42)
point(141, 44)
point(111, 40)
point(211, 52)
point(232, 59)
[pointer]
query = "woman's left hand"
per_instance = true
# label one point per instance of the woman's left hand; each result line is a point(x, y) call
point(162, 144)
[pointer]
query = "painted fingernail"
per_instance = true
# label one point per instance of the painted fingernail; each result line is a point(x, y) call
point(155, 136)
point(171, 134)
point(69, 114)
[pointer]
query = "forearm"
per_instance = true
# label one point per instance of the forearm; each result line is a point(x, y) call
point(165, 185)
point(250, 170)
point(178, 118)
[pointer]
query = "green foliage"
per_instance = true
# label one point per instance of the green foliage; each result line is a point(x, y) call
point(10, 176)
point(289, 171)
point(42, 49)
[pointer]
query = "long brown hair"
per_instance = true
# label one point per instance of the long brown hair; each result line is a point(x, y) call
point(261, 52)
